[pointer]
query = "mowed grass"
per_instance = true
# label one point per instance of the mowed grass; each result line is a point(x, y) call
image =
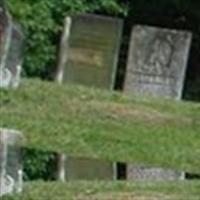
point(110, 191)
point(106, 125)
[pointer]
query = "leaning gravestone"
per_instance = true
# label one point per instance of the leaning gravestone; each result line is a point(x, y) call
point(89, 50)
point(10, 51)
point(88, 56)
point(10, 162)
point(157, 61)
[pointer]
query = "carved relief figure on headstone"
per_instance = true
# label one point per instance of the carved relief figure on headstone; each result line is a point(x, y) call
point(89, 50)
point(10, 162)
point(10, 50)
point(157, 61)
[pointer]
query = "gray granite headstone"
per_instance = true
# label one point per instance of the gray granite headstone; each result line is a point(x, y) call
point(10, 162)
point(152, 174)
point(92, 52)
point(10, 51)
point(157, 61)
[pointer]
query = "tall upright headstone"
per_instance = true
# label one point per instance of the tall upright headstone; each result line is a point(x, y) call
point(10, 162)
point(157, 61)
point(89, 50)
point(11, 39)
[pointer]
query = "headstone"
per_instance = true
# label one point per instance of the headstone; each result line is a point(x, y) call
point(156, 66)
point(157, 61)
point(152, 174)
point(10, 162)
point(89, 169)
point(89, 50)
point(4, 24)
point(10, 51)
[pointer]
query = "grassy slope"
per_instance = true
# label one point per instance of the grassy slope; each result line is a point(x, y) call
point(110, 191)
point(107, 125)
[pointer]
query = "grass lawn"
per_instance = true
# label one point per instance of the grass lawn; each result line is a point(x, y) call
point(110, 191)
point(106, 125)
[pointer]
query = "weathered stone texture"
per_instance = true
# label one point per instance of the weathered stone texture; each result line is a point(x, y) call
point(152, 174)
point(10, 162)
point(93, 49)
point(10, 51)
point(157, 61)
point(89, 169)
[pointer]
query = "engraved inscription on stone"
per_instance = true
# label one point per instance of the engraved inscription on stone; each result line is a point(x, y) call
point(157, 61)
point(93, 50)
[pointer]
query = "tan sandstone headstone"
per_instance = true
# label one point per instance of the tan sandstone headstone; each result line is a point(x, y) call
point(10, 162)
point(89, 50)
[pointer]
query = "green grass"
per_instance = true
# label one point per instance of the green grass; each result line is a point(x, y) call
point(110, 191)
point(106, 125)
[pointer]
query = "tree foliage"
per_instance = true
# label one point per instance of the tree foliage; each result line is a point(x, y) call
point(42, 22)
point(38, 164)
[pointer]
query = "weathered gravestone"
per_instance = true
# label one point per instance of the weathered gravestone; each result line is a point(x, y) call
point(10, 50)
point(156, 67)
point(89, 50)
point(88, 56)
point(4, 23)
point(157, 61)
point(88, 169)
point(152, 174)
point(10, 162)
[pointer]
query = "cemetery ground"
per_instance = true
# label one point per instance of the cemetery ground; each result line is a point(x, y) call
point(106, 125)
point(80, 190)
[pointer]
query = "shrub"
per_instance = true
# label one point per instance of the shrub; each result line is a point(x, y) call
point(42, 23)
